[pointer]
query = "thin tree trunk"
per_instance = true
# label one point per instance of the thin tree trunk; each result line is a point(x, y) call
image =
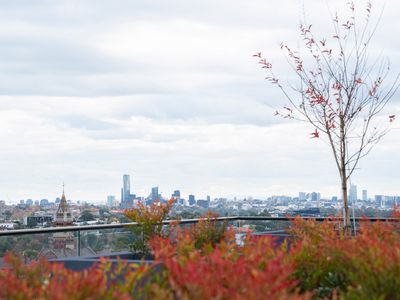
point(346, 216)
point(343, 174)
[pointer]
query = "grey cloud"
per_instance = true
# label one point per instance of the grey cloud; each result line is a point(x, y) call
point(164, 90)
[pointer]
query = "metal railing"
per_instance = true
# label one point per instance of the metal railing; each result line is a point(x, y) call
point(181, 221)
point(115, 237)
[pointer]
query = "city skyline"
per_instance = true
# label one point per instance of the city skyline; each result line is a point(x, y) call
point(126, 197)
point(168, 93)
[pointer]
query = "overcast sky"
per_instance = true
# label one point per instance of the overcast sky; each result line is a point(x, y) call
point(168, 92)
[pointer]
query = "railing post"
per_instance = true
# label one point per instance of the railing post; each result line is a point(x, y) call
point(78, 236)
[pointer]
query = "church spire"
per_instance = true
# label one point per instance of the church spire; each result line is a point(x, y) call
point(63, 215)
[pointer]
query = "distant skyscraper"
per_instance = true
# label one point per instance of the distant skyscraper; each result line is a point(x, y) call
point(44, 202)
point(379, 201)
point(302, 196)
point(126, 190)
point(314, 196)
point(110, 200)
point(176, 194)
point(126, 196)
point(192, 200)
point(365, 195)
point(353, 194)
point(154, 193)
point(203, 203)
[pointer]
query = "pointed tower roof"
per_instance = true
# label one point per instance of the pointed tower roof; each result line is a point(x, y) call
point(63, 215)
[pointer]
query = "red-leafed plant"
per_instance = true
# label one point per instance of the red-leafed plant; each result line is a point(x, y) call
point(319, 261)
point(226, 270)
point(42, 280)
point(149, 219)
point(328, 263)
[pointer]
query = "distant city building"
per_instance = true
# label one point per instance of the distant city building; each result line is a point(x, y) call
point(38, 220)
point(29, 202)
point(306, 212)
point(176, 195)
point(315, 196)
point(37, 202)
point(126, 196)
point(203, 203)
point(208, 199)
point(63, 216)
point(126, 189)
point(302, 196)
point(364, 195)
point(44, 202)
point(379, 201)
point(110, 200)
point(192, 200)
point(353, 194)
point(154, 193)
point(62, 244)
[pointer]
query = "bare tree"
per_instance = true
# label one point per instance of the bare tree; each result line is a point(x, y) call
point(340, 91)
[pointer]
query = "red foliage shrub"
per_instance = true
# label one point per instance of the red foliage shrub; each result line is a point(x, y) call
point(202, 263)
point(365, 266)
point(149, 219)
point(44, 280)
point(226, 271)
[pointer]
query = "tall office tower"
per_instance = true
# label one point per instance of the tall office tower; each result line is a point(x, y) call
point(110, 200)
point(208, 199)
point(364, 195)
point(192, 200)
point(314, 196)
point(176, 194)
point(379, 201)
point(154, 193)
point(353, 194)
point(126, 188)
point(302, 196)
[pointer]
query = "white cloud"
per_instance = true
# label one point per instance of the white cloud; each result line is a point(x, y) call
point(166, 91)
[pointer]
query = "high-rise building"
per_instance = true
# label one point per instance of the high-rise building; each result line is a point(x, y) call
point(192, 200)
point(379, 201)
point(314, 196)
point(154, 193)
point(203, 203)
point(353, 194)
point(126, 190)
point(126, 196)
point(110, 201)
point(364, 195)
point(302, 196)
point(176, 194)
point(44, 202)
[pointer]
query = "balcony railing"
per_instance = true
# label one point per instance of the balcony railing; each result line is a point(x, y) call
point(62, 242)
